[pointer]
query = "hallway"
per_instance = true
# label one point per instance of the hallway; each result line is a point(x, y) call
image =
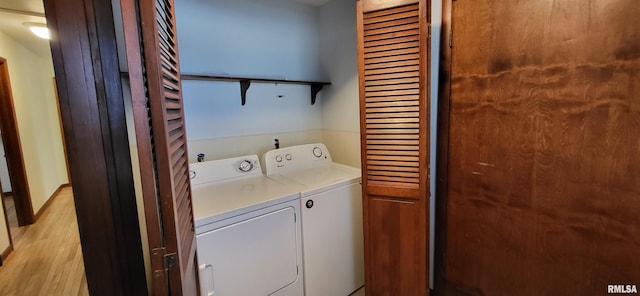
point(47, 257)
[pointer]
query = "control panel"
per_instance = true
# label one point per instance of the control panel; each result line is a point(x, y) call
point(229, 168)
point(295, 158)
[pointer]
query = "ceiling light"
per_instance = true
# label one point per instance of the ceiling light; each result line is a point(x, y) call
point(39, 30)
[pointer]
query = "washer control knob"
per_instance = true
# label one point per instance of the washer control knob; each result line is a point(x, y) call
point(309, 203)
point(279, 158)
point(245, 166)
point(317, 152)
point(288, 157)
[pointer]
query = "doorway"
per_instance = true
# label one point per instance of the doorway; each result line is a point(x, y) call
point(18, 201)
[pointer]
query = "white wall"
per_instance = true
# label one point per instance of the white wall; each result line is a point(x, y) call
point(340, 104)
point(38, 121)
point(272, 39)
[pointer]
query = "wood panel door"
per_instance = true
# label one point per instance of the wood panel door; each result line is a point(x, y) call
point(544, 148)
point(154, 73)
point(393, 44)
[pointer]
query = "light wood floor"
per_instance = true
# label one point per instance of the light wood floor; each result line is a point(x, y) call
point(10, 211)
point(47, 257)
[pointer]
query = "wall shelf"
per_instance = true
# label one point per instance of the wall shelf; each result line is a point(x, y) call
point(245, 83)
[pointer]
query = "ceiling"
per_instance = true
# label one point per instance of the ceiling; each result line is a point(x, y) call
point(11, 24)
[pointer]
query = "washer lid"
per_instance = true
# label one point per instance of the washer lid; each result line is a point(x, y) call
point(215, 201)
point(321, 178)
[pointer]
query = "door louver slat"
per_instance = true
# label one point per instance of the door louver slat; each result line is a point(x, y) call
point(406, 18)
point(391, 35)
point(372, 32)
point(375, 16)
point(385, 62)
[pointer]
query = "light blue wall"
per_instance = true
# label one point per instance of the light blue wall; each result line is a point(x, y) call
point(436, 27)
point(213, 110)
point(340, 104)
point(339, 52)
point(276, 38)
point(271, 39)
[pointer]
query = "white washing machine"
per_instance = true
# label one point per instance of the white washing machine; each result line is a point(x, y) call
point(248, 230)
point(331, 206)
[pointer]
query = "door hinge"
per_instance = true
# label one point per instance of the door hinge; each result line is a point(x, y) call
point(451, 39)
point(169, 261)
point(429, 31)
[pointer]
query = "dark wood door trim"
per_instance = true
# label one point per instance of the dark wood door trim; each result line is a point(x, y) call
point(13, 150)
point(92, 108)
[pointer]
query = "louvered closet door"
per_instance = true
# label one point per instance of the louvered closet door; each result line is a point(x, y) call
point(393, 63)
point(166, 142)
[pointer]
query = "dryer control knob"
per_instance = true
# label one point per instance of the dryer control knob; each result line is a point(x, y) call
point(309, 203)
point(317, 152)
point(279, 158)
point(245, 166)
point(288, 157)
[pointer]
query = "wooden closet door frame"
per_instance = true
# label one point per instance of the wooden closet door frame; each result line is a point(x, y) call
point(83, 48)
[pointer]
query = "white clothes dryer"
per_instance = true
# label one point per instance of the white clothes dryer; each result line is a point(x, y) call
point(248, 230)
point(331, 207)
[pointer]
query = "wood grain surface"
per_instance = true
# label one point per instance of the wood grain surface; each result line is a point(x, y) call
point(47, 258)
point(544, 148)
point(393, 48)
point(169, 146)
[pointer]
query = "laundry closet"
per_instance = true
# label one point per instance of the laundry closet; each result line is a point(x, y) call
point(277, 79)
